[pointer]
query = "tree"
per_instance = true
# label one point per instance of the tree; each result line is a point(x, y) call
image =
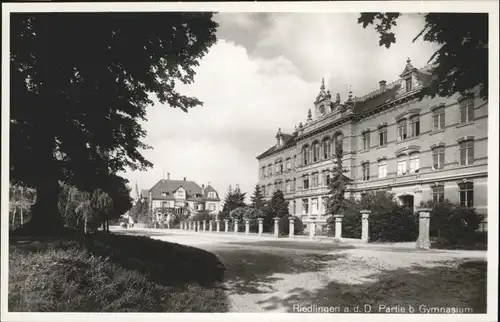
point(233, 199)
point(80, 85)
point(278, 206)
point(461, 62)
point(336, 202)
point(257, 199)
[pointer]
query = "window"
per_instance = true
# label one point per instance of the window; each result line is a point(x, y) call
point(164, 204)
point(263, 190)
point(382, 136)
point(382, 170)
point(438, 119)
point(327, 149)
point(306, 183)
point(438, 193)
point(365, 167)
point(288, 165)
point(314, 206)
point(414, 163)
point(305, 155)
point(277, 168)
point(366, 140)
point(315, 152)
point(466, 192)
point(401, 167)
point(269, 190)
point(315, 180)
point(288, 186)
point(327, 179)
point(212, 194)
point(466, 107)
point(438, 158)
point(466, 152)
point(263, 172)
point(408, 84)
point(402, 134)
point(322, 109)
point(295, 161)
point(294, 184)
point(269, 170)
point(414, 126)
point(180, 193)
point(211, 207)
point(305, 206)
point(294, 207)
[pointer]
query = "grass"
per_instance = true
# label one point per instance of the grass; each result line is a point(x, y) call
point(114, 274)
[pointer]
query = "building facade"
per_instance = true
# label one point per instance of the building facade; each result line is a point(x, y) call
point(428, 149)
point(181, 196)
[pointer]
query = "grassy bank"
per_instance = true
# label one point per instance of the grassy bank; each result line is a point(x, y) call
point(114, 274)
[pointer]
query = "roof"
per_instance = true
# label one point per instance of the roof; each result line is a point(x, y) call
point(208, 189)
point(288, 140)
point(193, 191)
point(369, 101)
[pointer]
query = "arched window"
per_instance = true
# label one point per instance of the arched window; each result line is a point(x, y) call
point(305, 155)
point(414, 126)
point(327, 149)
point(402, 130)
point(315, 152)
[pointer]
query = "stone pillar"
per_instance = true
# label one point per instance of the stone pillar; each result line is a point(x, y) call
point(365, 237)
point(204, 225)
point(247, 226)
point(217, 223)
point(338, 225)
point(292, 227)
point(312, 230)
point(198, 225)
point(261, 225)
point(236, 225)
point(226, 227)
point(181, 225)
point(210, 224)
point(424, 216)
point(276, 227)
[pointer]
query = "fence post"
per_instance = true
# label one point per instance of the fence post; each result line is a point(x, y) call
point(210, 224)
point(247, 226)
point(312, 230)
point(292, 227)
point(226, 227)
point(261, 226)
point(276, 227)
point(217, 223)
point(204, 225)
point(365, 236)
point(424, 216)
point(338, 225)
point(235, 225)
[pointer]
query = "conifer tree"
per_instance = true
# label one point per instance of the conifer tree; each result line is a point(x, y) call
point(257, 198)
point(336, 202)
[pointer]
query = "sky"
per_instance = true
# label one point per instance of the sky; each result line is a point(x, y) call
point(264, 73)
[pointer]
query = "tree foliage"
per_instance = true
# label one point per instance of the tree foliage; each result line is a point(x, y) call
point(257, 199)
point(336, 202)
point(461, 62)
point(80, 85)
point(277, 207)
point(233, 199)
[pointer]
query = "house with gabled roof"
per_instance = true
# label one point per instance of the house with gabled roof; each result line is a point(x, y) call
point(182, 196)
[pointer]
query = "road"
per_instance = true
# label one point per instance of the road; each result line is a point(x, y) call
point(267, 274)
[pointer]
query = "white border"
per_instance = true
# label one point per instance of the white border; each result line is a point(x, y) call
point(348, 6)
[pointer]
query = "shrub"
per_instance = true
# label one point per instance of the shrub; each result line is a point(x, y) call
point(201, 216)
point(452, 225)
point(389, 221)
point(284, 226)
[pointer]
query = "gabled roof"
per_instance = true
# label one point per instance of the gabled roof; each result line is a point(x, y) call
point(208, 189)
point(170, 186)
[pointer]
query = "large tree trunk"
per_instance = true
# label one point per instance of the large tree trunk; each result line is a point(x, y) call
point(46, 218)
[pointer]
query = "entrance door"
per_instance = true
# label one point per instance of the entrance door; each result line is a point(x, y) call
point(407, 201)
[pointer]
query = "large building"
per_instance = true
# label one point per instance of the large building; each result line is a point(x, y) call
point(434, 148)
point(182, 196)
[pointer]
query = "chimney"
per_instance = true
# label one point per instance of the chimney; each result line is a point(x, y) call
point(168, 176)
point(383, 84)
point(184, 178)
point(202, 189)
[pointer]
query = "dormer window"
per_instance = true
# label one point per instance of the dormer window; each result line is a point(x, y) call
point(180, 193)
point(322, 109)
point(164, 193)
point(408, 84)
